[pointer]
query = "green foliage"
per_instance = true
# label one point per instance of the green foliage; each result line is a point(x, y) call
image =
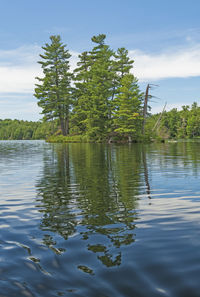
point(104, 104)
point(127, 113)
point(122, 62)
point(86, 171)
point(94, 85)
point(81, 93)
point(53, 90)
point(97, 83)
point(177, 124)
point(69, 138)
point(17, 130)
point(105, 101)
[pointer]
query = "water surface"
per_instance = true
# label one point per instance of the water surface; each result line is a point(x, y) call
point(99, 220)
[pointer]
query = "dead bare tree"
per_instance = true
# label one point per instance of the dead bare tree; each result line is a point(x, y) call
point(146, 100)
point(159, 119)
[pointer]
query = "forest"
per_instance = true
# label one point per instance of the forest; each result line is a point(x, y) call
point(99, 101)
point(174, 124)
point(18, 130)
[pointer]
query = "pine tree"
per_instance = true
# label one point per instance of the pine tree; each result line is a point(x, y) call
point(53, 90)
point(93, 81)
point(81, 94)
point(122, 63)
point(121, 66)
point(100, 89)
point(127, 113)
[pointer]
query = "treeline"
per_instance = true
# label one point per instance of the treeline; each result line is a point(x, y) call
point(17, 130)
point(176, 124)
point(172, 124)
point(99, 100)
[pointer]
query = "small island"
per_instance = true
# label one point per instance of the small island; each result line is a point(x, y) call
point(100, 101)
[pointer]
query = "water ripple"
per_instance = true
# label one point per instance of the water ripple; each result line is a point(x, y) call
point(96, 220)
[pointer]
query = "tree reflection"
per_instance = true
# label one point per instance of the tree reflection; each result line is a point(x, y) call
point(54, 195)
point(92, 189)
point(176, 155)
point(146, 173)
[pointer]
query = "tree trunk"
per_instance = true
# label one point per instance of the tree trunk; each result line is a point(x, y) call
point(67, 126)
point(145, 108)
point(63, 128)
point(146, 175)
point(160, 117)
point(64, 124)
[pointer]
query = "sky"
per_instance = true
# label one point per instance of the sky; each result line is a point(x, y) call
point(162, 36)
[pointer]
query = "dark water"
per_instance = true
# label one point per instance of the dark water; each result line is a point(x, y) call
point(97, 220)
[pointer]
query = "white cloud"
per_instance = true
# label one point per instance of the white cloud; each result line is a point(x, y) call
point(22, 109)
point(179, 63)
point(19, 67)
point(18, 79)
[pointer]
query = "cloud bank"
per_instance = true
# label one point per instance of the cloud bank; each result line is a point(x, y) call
point(18, 67)
point(180, 63)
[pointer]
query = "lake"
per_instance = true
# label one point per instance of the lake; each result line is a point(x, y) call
point(99, 220)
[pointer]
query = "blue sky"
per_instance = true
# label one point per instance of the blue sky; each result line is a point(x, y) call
point(163, 37)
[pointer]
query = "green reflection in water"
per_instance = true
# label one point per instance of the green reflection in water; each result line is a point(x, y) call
point(92, 190)
point(174, 157)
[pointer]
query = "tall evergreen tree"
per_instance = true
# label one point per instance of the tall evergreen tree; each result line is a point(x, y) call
point(123, 63)
point(81, 94)
point(100, 88)
point(93, 81)
point(127, 113)
point(53, 90)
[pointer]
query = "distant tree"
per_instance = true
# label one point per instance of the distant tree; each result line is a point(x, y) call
point(16, 129)
point(193, 123)
point(54, 90)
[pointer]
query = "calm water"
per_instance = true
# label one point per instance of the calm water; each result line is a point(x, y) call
point(96, 220)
